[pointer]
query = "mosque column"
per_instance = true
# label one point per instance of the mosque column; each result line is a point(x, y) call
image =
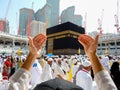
point(13, 45)
point(106, 48)
point(115, 45)
point(43, 50)
point(50, 45)
point(4, 46)
point(109, 47)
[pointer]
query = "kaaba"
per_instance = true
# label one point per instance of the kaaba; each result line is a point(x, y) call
point(62, 39)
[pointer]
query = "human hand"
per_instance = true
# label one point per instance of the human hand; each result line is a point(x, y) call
point(90, 44)
point(59, 76)
point(36, 43)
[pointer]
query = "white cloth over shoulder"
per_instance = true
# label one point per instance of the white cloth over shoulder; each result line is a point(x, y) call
point(84, 80)
point(20, 80)
point(47, 73)
point(65, 66)
point(58, 70)
point(36, 72)
point(105, 63)
point(104, 81)
point(74, 69)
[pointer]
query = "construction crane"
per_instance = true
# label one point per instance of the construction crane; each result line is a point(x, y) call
point(84, 22)
point(30, 20)
point(7, 9)
point(17, 24)
point(3, 22)
point(117, 23)
point(116, 16)
point(100, 20)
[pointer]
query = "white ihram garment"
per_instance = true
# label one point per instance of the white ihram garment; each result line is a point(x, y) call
point(105, 63)
point(47, 73)
point(20, 80)
point(84, 80)
point(36, 72)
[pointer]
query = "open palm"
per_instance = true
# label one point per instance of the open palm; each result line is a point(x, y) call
point(36, 43)
point(90, 44)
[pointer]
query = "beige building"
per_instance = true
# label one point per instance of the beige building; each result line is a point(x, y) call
point(37, 27)
point(109, 43)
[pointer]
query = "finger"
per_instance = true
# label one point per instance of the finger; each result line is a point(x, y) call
point(96, 39)
point(83, 42)
point(39, 39)
point(30, 41)
point(39, 36)
point(39, 45)
point(42, 41)
point(88, 38)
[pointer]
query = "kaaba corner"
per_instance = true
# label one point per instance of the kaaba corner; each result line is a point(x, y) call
point(62, 39)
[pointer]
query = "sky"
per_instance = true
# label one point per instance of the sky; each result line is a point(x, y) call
point(92, 9)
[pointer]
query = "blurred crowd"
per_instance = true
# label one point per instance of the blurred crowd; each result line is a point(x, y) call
point(62, 66)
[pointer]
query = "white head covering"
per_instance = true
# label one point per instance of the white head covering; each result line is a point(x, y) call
point(86, 63)
point(50, 59)
point(74, 60)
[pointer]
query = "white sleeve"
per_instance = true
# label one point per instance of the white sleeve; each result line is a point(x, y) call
point(84, 81)
point(89, 83)
point(20, 80)
point(104, 81)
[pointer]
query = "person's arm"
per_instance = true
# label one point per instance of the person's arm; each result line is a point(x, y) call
point(35, 47)
point(102, 78)
point(90, 46)
point(96, 65)
point(21, 78)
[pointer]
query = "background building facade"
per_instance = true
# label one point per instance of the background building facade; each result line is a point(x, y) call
point(25, 15)
point(49, 13)
point(44, 14)
point(37, 27)
point(4, 26)
point(108, 44)
point(54, 4)
point(68, 15)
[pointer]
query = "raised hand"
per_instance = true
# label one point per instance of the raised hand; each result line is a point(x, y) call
point(90, 44)
point(36, 43)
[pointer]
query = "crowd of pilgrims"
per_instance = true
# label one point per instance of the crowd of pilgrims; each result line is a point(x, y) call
point(62, 66)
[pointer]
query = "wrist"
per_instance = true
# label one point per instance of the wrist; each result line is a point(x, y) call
point(91, 55)
point(33, 55)
point(29, 61)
